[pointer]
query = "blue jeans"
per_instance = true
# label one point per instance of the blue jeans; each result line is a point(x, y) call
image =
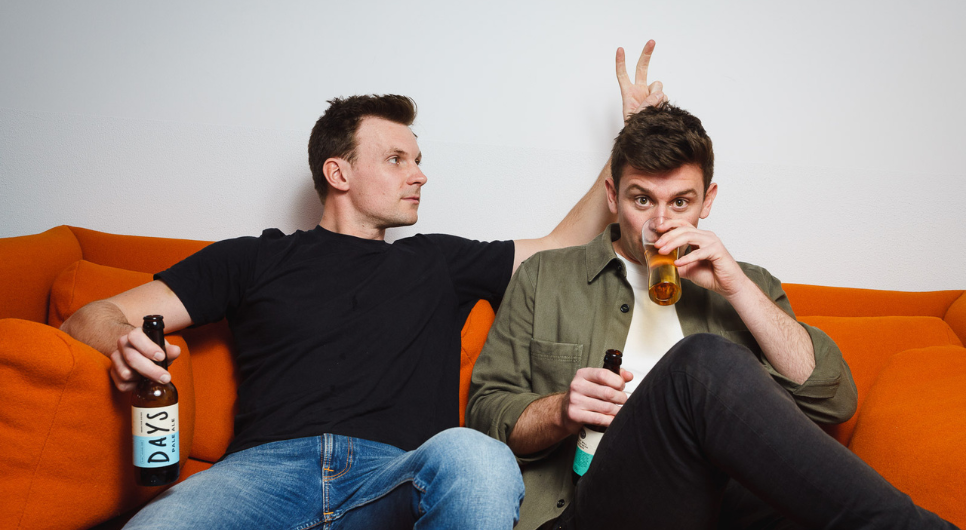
point(457, 479)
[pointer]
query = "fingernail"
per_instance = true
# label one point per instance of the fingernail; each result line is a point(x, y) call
point(158, 356)
point(165, 378)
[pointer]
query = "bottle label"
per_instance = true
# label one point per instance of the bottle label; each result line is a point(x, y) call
point(155, 436)
point(587, 441)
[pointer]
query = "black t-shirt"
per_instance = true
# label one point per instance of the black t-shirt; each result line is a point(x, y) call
point(337, 334)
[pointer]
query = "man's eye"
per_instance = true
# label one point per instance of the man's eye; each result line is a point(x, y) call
point(394, 160)
point(680, 203)
point(642, 201)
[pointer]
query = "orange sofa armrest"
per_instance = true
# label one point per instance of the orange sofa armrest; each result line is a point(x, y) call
point(912, 428)
point(67, 431)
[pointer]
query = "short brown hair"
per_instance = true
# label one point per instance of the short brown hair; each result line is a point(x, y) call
point(334, 135)
point(661, 139)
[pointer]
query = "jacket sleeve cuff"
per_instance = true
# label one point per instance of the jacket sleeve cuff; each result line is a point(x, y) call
point(510, 411)
point(829, 394)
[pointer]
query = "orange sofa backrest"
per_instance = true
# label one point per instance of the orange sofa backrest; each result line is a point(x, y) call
point(136, 253)
point(28, 267)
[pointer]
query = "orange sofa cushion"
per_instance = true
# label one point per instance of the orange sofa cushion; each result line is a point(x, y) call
point(912, 428)
point(474, 333)
point(216, 389)
point(83, 282)
point(867, 344)
point(68, 463)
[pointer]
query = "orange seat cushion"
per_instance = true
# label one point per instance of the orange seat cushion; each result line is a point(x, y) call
point(912, 428)
point(867, 344)
point(66, 433)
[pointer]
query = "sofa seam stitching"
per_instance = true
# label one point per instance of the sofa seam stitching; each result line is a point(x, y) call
point(40, 459)
point(73, 288)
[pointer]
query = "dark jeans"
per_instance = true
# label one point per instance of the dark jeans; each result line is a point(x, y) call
point(710, 440)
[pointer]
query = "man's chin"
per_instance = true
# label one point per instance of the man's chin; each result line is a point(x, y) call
point(633, 254)
point(399, 223)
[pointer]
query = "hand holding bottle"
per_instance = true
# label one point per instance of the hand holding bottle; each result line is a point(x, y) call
point(135, 358)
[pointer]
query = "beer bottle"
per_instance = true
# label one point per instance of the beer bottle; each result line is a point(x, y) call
point(154, 411)
point(590, 435)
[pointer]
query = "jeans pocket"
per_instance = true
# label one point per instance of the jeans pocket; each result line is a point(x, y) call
point(336, 456)
point(553, 365)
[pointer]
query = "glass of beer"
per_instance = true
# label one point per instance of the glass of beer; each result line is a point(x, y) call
point(663, 282)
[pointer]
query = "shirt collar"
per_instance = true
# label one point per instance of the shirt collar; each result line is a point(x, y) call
point(600, 251)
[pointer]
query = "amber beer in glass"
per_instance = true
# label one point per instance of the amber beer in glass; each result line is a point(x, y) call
point(663, 281)
point(154, 413)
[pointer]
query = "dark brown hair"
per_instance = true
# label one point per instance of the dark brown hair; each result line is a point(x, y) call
point(661, 139)
point(334, 135)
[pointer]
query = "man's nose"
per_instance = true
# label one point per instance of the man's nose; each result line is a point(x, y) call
point(418, 177)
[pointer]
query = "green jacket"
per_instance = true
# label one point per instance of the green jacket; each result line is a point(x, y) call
point(563, 309)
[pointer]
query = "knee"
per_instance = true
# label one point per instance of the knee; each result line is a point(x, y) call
point(477, 461)
point(476, 453)
point(706, 352)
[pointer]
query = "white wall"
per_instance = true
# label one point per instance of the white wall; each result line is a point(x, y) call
point(838, 126)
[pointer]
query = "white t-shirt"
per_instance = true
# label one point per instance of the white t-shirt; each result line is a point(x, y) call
point(654, 328)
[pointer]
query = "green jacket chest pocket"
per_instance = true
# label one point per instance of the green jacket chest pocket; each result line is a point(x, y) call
point(553, 365)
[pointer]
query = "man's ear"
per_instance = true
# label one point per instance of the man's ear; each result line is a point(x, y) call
point(709, 199)
point(336, 173)
point(611, 190)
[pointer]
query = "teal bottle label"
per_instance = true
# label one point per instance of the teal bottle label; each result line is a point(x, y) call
point(587, 441)
point(155, 433)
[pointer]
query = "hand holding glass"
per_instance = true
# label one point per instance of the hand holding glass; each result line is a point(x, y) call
point(663, 282)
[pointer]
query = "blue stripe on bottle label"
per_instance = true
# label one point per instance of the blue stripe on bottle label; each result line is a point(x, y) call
point(156, 451)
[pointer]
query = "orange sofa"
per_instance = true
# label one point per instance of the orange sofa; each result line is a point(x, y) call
point(65, 451)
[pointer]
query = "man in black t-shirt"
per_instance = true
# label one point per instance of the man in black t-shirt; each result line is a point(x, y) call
point(347, 346)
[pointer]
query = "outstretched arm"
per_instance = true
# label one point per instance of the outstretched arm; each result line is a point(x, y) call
point(590, 215)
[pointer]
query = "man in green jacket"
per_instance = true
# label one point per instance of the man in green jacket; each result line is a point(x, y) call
point(725, 386)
